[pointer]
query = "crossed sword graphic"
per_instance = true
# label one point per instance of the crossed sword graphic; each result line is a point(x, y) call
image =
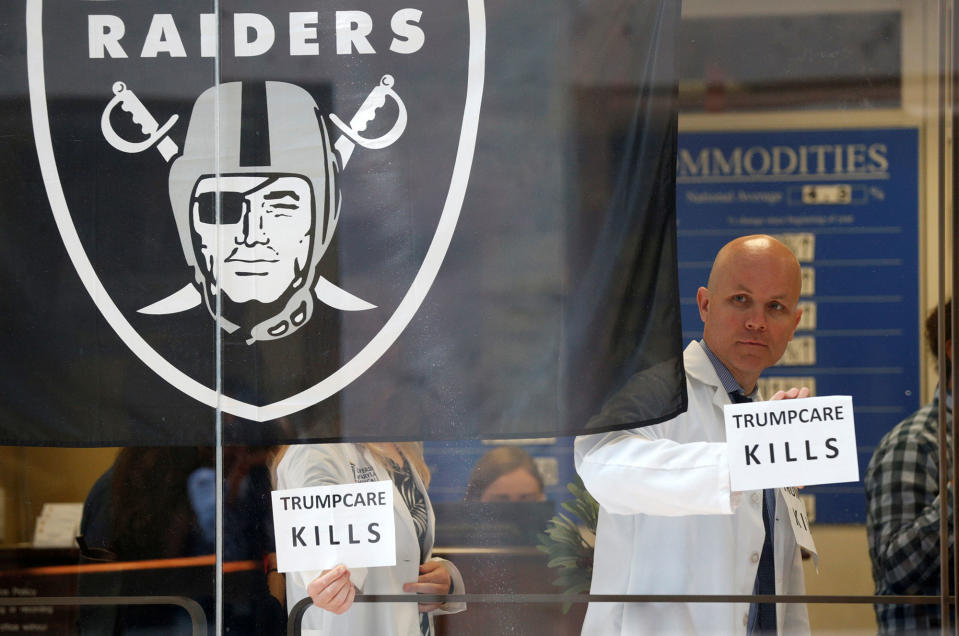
point(326, 292)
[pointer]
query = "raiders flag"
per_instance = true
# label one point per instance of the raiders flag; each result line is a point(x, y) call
point(322, 221)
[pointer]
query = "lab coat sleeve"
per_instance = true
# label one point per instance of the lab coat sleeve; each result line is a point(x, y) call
point(458, 588)
point(638, 471)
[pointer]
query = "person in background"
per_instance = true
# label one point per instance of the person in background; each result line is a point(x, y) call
point(505, 474)
point(416, 571)
point(669, 522)
point(904, 505)
point(140, 507)
point(160, 503)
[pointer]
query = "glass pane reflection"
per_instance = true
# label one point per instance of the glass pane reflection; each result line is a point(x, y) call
point(754, 79)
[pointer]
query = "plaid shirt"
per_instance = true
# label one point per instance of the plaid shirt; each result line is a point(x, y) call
point(902, 519)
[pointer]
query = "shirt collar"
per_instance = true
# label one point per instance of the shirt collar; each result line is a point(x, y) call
point(725, 376)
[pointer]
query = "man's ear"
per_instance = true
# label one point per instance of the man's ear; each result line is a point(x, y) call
point(702, 300)
point(796, 324)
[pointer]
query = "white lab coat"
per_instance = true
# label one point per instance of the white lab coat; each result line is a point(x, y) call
point(667, 524)
point(325, 464)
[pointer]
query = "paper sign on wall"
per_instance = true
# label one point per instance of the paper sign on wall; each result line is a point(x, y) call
point(319, 527)
point(791, 442)
point(58, 525)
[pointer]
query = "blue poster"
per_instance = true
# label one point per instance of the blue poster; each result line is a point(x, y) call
point(847, 203)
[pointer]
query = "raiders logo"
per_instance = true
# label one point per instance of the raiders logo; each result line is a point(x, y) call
point(270, 185)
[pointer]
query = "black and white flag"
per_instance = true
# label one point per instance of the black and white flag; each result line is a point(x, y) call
point(335, 220)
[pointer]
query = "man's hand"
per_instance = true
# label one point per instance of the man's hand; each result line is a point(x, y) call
point(434, 579)
point(791, 394)
point(332, 590)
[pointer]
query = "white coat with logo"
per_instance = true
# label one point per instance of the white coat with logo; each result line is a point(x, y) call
point(328, 464)
point(668, 525)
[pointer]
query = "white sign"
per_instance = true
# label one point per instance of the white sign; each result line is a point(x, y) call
point(799, 521)
point(791, 443)
point(319, 527)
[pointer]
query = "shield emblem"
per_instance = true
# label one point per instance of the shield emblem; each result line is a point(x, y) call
point(257, 222)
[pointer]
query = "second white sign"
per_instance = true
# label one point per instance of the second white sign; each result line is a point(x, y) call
point(791, 443)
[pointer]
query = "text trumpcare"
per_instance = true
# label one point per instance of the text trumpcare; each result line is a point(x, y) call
point(347, 500)
point(318, 527)
point(786, 443)
point(790, 416)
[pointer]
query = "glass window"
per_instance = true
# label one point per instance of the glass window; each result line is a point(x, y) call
point(390, 260)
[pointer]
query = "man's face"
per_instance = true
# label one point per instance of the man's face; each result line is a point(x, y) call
point(262, 243)
point(749, 313)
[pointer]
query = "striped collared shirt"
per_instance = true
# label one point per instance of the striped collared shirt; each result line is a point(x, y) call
point(725, 376)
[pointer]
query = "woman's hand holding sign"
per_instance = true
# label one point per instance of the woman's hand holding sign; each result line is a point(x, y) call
point(434, 579)
point(332, 590)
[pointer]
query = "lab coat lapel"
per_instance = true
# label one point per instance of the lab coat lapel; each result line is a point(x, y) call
point(699, 367)
point(429, 516)
point(401, 511)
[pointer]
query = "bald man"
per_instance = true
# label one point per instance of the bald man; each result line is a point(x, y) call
point(669, 523)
